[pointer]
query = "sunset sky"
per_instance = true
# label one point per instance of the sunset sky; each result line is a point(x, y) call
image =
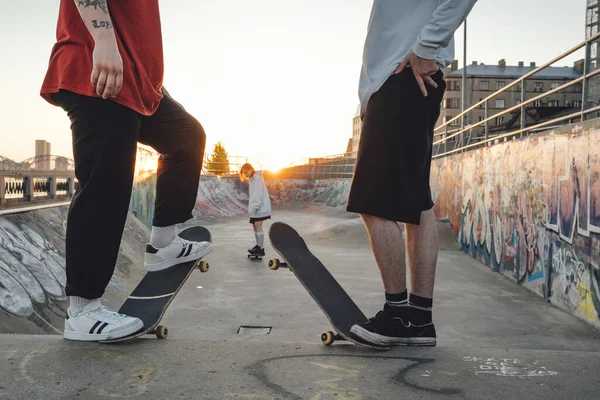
point(269, 78)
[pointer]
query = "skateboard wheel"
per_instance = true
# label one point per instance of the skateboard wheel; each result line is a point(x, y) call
point(327, 338)
point(274, 264)
point(162, 332)
point(203, 266)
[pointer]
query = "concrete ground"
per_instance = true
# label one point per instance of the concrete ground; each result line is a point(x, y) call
point(496, 340)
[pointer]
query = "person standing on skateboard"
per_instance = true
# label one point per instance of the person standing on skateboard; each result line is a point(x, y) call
point(408, 45)
point(106, 72)
point(259, 206)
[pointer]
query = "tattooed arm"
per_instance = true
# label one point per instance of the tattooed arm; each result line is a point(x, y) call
point(107, 73)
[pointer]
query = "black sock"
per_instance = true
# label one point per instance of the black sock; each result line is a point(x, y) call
point(397, 303)
point(420, 310)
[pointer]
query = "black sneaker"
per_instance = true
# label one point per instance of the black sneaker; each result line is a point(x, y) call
point(390, 328)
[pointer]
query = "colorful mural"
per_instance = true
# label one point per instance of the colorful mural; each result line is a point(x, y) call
point(530, 209)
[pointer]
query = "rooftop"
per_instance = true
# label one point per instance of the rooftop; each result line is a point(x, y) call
point(494, 71)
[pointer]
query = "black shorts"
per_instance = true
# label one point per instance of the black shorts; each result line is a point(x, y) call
point(391, 177)
point(253, 220)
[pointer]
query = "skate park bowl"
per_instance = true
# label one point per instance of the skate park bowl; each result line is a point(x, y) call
point(514, 296)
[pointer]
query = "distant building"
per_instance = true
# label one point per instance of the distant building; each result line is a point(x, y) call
point(43, 154)
point(353, 143)
point(483, 80)
point(591, 29)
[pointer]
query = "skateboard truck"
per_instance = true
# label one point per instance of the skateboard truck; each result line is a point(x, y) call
point(275, 264)
point(161, 332)
point(327, 338)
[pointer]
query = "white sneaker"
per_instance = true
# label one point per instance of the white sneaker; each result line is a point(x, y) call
point(95, 322)
point(179, 251)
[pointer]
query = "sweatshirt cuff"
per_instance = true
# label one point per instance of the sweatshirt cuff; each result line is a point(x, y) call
point(428, 53)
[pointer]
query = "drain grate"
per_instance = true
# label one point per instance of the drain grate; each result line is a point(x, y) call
point(254, 330)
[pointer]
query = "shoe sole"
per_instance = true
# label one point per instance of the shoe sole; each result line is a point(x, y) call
point(91, 337)
point(381, 340)
point(176, 261)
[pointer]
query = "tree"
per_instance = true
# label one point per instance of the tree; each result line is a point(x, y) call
point(219, 162)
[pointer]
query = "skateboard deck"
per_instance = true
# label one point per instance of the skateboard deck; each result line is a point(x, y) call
point(155, 292)
point(333, 300)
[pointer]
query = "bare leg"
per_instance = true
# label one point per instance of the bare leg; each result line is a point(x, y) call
point(422, 244)
point(387, 244)
point(257, 226)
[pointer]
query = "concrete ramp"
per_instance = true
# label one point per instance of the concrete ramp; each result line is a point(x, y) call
point(32, 270)
point(222, 198)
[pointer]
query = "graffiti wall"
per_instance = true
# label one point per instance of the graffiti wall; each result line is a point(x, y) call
point(32, 270)
point(530, 209)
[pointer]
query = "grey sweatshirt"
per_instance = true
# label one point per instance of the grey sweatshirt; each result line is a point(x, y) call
point(259, 204)
point(398, 26)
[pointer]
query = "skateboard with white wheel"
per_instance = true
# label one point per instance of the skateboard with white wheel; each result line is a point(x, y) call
point(333, 300)
point(155, 292)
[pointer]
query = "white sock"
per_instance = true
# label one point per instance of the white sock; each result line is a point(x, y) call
point(162, 236)
point(77, 304)
point(260, 239)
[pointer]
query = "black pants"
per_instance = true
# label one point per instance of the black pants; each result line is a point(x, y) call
point(105, 137)
point(391, 176)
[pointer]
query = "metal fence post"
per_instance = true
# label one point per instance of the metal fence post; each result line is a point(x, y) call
point(71, 187)
point(2, 190)
point(28, 188)
point(52, 187)
point(446, 139)
point(485, 124)
point(522, 119)
point(586, 81)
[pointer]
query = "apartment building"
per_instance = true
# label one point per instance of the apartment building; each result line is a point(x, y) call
point(483, 80)
point(592, 22)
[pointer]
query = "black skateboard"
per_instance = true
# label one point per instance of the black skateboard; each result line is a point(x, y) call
point(339, 308)
point(155, 292)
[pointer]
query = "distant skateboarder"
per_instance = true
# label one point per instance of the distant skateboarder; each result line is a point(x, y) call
point(259, 206)
point(408, 45)
point(106, 72)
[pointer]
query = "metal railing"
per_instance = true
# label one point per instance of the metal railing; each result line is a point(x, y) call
point(226, 165)
point(328, 167)
point(449, 141)
point(28, 188)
